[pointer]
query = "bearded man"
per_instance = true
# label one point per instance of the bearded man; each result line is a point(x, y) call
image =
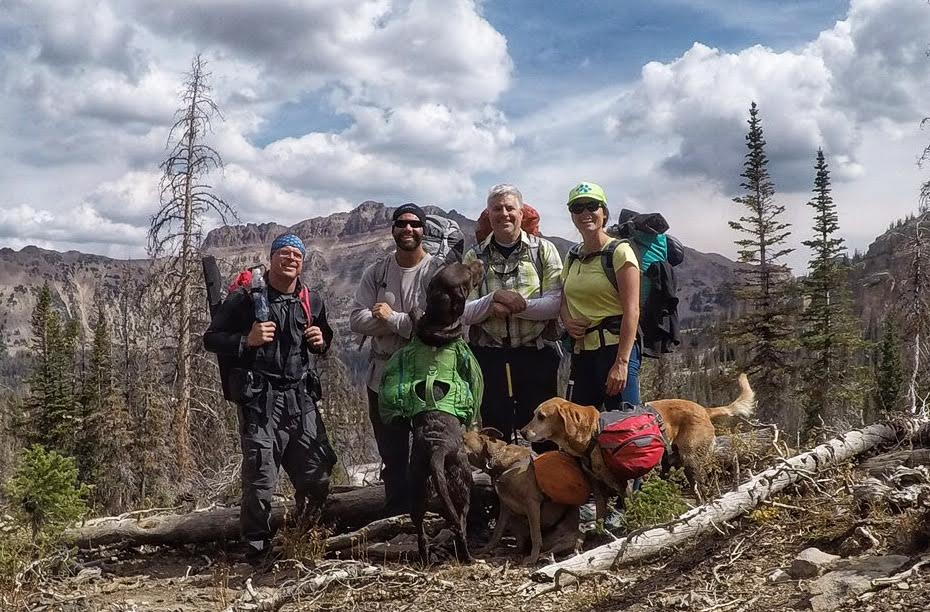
point(390, 290)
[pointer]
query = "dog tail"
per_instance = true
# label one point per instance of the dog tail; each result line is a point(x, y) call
point(743, 406)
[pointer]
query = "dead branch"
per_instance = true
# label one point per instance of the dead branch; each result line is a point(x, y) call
point(317, 580)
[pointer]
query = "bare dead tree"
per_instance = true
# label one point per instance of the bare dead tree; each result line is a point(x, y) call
point(176, 233)
point(917, 304)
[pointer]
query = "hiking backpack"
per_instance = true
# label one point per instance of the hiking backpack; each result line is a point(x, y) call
point(443, 239)
point(530, 223)
point(631, 441)
point(657, 254)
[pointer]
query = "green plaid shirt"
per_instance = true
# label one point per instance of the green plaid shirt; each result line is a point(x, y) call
point(518, 273)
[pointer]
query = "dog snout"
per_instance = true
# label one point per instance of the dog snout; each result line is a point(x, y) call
point(528, 434)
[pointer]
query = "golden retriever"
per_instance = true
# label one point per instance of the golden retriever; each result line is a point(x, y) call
point(687, 426)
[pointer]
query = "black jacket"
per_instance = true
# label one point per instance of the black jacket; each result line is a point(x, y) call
point(282, 362)
point(659, 315)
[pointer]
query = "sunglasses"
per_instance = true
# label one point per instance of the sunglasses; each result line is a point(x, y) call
point(402, 223)
point(577, 208)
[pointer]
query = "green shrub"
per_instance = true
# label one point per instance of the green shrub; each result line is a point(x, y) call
point(657, 502)
point(44, 492)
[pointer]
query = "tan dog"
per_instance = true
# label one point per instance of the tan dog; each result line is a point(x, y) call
point(687, 427)
point(553, 528)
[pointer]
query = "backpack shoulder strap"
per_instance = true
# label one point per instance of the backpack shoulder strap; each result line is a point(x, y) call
point(384, 263)
point(535, 250)
point(607, 261)
point(305, 299)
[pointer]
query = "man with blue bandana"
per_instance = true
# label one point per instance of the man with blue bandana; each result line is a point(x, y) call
point(275, 388)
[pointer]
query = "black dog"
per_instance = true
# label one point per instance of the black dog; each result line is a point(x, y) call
point(438, 452)
point(445, 303)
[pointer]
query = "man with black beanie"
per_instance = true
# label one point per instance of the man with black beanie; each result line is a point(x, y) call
point(390, 290)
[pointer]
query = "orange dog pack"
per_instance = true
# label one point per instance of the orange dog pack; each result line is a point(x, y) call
point(560, 478)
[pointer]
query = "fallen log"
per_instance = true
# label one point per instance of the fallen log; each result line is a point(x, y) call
point(901, 489)
point(378, 531)
point(885, 464)
point(344, 511)
point(707, 518)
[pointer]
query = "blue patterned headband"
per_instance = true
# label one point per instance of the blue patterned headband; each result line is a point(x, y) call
point(288, 240)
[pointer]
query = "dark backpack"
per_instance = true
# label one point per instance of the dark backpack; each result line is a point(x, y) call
point(631, 441)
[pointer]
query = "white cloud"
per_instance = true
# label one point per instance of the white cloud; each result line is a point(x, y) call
point(867, 68)
point(410, 95)
point(82, 224)
point(417, 81)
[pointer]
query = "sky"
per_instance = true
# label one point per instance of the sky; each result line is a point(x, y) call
point(326, 104)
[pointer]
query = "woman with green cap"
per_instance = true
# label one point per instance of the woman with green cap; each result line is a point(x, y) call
point(600, 306)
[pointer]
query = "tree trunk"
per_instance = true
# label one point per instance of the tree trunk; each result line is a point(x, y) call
point(705, 519)
point(182, 414)
point(885, 464)
point(346, 510)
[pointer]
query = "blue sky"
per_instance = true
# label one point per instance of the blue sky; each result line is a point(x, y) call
point(329, 103)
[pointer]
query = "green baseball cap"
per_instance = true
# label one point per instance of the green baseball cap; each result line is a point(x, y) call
point(588, 191)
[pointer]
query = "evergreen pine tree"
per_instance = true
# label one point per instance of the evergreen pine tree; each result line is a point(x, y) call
point(832, 380)
point(765, 328)
point(889, 371)
point(105, 440)
point(52, 411)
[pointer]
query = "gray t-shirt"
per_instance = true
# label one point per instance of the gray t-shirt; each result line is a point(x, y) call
point(404, 290)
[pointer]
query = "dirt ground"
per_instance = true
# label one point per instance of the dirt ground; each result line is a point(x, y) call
point(727, 571)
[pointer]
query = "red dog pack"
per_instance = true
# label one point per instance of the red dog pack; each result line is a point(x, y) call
point(631, 441)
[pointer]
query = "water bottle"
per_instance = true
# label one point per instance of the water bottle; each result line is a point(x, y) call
point(259, 296)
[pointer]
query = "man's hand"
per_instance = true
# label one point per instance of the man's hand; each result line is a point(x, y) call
point(576, 327)
point(313, 336)
point(381, 311)
point(511, 299)
point(499, 311)
point(261, 333)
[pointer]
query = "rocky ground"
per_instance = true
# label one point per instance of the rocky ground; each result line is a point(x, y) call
point(750, 565)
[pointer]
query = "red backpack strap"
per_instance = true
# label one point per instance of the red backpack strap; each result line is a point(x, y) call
point(304, 297)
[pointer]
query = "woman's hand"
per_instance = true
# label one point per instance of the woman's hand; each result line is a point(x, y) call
point(616, 377)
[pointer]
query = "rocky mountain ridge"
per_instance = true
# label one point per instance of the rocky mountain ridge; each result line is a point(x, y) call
point(340, 246)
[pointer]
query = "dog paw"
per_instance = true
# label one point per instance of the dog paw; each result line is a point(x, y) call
point(530, 560)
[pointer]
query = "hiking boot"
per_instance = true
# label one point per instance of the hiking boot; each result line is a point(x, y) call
point(256, 551)
point(614, 522)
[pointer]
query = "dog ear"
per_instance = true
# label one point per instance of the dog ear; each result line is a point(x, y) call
point(492, 432)
point(570, 419)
